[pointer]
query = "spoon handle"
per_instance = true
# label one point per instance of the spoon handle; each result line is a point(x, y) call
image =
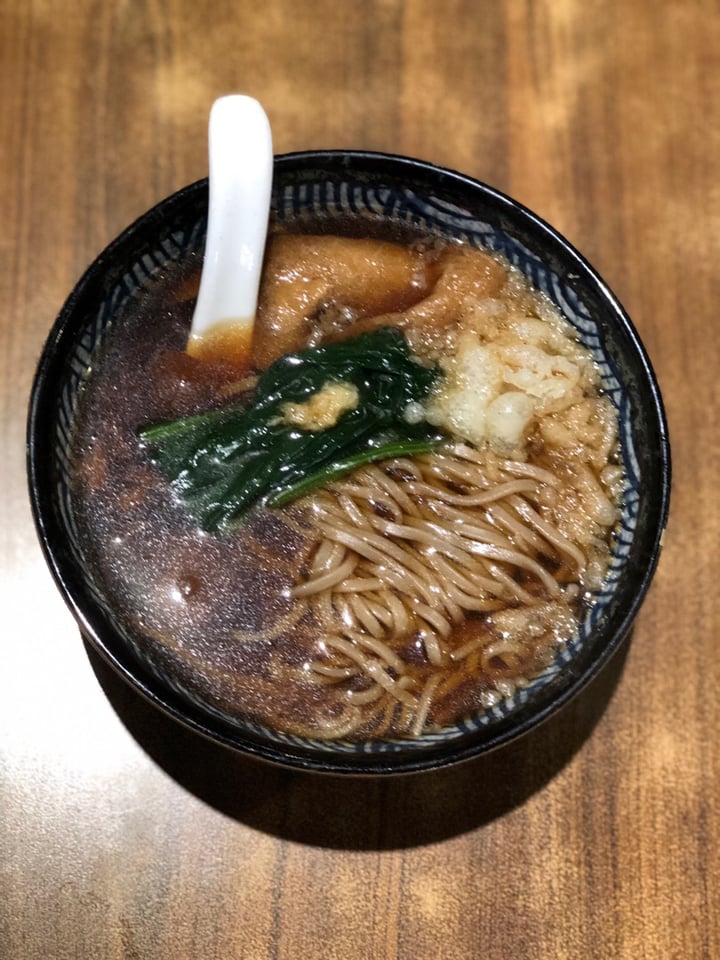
point(240, 184)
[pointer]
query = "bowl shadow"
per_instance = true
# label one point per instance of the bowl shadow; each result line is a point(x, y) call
point(362, 813)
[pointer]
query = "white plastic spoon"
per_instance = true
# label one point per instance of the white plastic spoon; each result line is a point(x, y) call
point(241, 167)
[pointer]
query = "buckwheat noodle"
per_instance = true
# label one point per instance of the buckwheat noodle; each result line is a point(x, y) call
point(410, 549)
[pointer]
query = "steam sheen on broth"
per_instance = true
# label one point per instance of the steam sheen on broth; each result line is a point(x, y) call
point(408, 593)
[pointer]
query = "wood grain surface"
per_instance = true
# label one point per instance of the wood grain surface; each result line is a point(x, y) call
point(122, 836)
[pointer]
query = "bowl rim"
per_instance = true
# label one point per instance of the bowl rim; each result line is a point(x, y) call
point(94, 625)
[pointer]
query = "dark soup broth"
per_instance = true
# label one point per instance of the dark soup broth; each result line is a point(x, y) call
point(396, 596)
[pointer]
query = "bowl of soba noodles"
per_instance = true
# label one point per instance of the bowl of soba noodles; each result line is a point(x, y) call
point(400, 526)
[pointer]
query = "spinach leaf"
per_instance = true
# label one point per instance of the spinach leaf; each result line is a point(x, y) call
point(221, 462)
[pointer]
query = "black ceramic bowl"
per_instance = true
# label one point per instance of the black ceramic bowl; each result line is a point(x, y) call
point(370, 189)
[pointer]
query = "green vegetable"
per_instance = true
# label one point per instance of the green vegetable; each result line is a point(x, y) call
point(221, 462)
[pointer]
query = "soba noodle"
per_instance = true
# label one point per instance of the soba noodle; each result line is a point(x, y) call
point(408, 550)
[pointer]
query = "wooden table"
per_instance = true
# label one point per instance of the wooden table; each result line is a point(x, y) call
point(121, 836)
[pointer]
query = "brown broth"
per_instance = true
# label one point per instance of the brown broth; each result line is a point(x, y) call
point(215, 611)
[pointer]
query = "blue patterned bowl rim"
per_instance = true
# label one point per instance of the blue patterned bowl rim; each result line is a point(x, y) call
point(371, 188)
